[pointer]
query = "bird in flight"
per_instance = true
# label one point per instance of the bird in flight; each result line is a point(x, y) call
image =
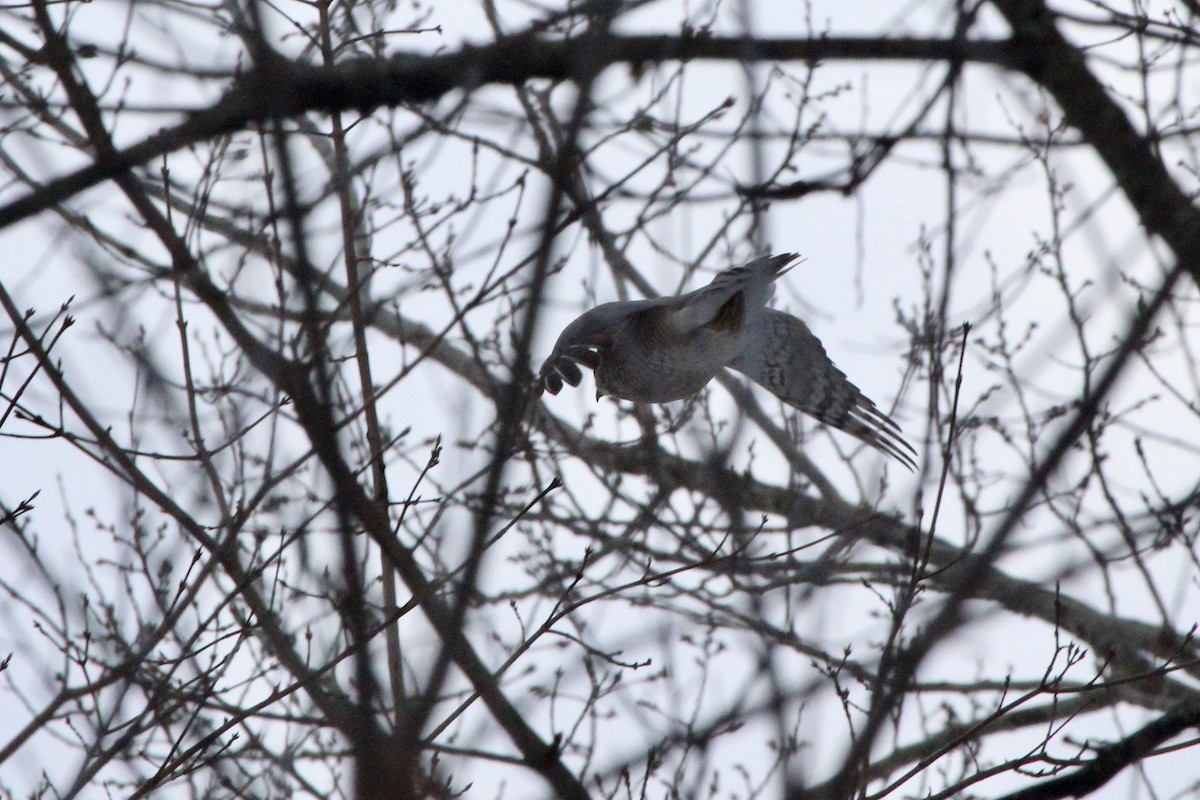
point(668, 348)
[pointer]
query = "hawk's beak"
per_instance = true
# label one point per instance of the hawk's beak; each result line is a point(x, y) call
point(599, 393)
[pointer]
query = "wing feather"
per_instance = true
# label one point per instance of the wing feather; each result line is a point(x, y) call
point(750, 285)
point(783, 356)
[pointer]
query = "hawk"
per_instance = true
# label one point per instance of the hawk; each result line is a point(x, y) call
point(669, 348)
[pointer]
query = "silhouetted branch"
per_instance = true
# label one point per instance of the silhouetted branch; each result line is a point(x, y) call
point(280, 89)
point(1112, 758)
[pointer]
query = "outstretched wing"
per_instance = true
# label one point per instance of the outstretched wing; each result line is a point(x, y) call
point(751, 285)
point(784, 356)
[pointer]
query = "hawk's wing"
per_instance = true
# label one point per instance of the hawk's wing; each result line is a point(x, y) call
point(751, 285)
point(784, 356)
